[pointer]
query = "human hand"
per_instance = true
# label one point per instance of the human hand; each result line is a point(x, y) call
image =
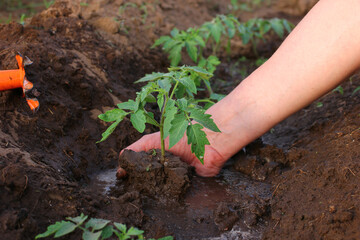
point(213, 161)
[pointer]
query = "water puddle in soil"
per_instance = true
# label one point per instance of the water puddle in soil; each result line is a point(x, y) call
point(194, 217)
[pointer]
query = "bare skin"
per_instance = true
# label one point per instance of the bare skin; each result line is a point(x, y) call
point(317, 56)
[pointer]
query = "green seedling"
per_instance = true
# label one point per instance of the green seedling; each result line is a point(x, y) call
point(173, 92)
point(215, 34)
point(47, 3)
point(356, 90)
point(94, 229)
point(246, 6)
point(339, 89)
point(255, 30)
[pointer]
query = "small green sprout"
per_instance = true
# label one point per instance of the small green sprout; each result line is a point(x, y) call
point(94, 229)
point(173, 92)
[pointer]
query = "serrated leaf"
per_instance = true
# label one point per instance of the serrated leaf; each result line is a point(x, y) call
point(129, 105)
point(183, 103)
point(160, 41)
point(66, 228)
point(134, 232)
point(170, 45)
point(150, 98)
point(178, 128)
point(215, 30)
point(138, 120)
point(277, 26)
point(200, 71)
point(204, 119)
point(200, 41)
point(51, 230)
point(288, 26)
point(170, 112)
point(112, 115)
point(192, 50)
point(150, 77)
point(217, 96)
point(96, 223)
point(197, 139)
point(107, 232)
point(150, 119)
point(79, 219)
point(175, 55)
point(121, 227)
point(160, 100)
point(166, 238)
point(109, 131)
point(174, 32)
point(165, 84)
point(188, 83)
point(90, 235)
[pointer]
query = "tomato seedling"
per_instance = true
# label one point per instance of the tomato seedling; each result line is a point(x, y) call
point(94, 228)
point(173, 92)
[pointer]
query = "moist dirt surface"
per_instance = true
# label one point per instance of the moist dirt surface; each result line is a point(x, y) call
point(299, 181)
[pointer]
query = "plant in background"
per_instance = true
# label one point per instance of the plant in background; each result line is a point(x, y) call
point(94, 229)
point(246, 6)
point(255, 29)
point(213, 33)
point(173, 92)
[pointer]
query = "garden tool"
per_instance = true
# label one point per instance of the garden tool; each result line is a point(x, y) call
point(11, 79)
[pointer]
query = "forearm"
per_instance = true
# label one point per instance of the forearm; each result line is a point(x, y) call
point(320, 52)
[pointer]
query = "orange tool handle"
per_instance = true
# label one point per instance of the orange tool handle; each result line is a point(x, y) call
point(10, 79)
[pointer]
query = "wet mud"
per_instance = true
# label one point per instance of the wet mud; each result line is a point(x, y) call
point(299, 181)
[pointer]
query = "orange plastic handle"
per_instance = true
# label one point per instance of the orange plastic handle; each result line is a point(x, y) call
point(10, 79)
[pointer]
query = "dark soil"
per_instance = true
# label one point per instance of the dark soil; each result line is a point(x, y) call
point(301, 181)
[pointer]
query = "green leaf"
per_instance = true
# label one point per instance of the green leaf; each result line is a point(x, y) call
point(175, 55)
point(217, 96)
point(356, 90)
point(109, 131)
point(183, 103)
point(121, 227)
point(197, 139)
point(150, 98)
point(96, 224)
point(215, 30)
point(134, 232)
point(66, 228)
point(113, 115)
point(174, 32)
point(129, 105)
point(192, 50)
point(107, 232)
point(189, 84)
point(138, 120)
point(51, 229)
point(90, 235)
point(150, 119)
point(150, 77)
point(178, 128)
point(170, 112)
point(165, 84)
point(166, 238)
point(339, 89)
point(277, 26)
point(200, 41)
point(160, 41)
point(200, 71)
point(160, 100)
point(204, 119)
point(288, 26)
point(79, 219)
